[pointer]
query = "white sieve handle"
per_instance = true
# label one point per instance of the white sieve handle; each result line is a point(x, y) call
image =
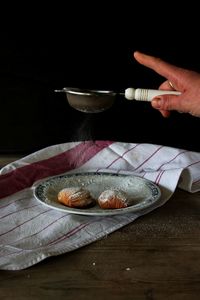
point(146, 94)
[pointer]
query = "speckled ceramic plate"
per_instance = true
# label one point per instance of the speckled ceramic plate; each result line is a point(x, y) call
point(142, 192)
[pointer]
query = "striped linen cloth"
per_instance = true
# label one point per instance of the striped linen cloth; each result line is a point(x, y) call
point(31, 231)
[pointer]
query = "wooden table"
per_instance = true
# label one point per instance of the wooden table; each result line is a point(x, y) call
point(155, 257)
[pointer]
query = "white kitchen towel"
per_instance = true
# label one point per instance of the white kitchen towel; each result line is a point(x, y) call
point(31, 231)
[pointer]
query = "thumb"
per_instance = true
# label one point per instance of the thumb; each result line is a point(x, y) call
point(167, 102)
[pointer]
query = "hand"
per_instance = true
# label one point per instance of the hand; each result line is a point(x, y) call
point(185, 81)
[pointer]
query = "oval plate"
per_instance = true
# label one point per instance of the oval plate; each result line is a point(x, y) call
point(143, 192)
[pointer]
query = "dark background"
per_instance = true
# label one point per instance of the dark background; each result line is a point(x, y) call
point(91, 49)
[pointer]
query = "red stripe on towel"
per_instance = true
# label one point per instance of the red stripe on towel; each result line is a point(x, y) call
point(24, 177)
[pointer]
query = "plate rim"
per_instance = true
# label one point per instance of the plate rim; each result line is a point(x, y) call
point(100, 212)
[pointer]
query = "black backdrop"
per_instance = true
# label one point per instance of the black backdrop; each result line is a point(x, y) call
point(91, 51)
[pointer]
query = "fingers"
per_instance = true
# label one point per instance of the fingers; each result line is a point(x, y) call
point(165, 113)
point(158, 105)
point(167, 86)
point(163, 103)
point(173, 74)
point(161, 67)
point(167, 103)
